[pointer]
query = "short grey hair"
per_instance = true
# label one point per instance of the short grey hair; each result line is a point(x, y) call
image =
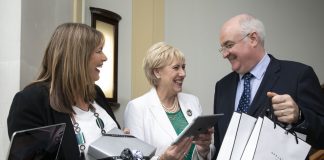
point(250, 24)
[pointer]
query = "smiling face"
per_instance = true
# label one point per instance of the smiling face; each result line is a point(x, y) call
point(237, 52)
point(96, 61)
point(171, 77)
point(243, 50)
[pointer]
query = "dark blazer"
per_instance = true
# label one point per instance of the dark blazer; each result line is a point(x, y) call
point(30, 108)
point(283, 77)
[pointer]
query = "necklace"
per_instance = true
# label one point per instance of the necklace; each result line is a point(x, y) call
point(174, 108)
point(79, 134)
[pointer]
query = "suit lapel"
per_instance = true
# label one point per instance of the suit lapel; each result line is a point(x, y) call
point(187, 107)
point(159, 114)
point(270, 78)
point(230, 95)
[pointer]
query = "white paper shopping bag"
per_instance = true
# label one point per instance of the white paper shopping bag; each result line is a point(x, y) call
point(243, 133)
point(229, 138)
point(249, 149)
point(277, 143)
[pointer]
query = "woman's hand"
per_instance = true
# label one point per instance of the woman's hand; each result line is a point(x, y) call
point(203, 142)
point(126, 130)
point(177, 151)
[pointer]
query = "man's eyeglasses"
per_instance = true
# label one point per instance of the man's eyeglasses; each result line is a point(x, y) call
point(230, 45)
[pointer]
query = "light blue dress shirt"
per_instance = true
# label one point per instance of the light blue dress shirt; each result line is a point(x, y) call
point(258, 73)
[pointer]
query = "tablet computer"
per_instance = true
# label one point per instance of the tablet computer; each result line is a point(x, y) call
point(36, 143)
point(199, 125)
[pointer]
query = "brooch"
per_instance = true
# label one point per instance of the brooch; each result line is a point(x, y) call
point(189, 112)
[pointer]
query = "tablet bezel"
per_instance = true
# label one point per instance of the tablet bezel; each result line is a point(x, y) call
point(199, 125)
point(28, 137)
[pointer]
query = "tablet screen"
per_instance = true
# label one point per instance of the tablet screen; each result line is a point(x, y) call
point(37, 143)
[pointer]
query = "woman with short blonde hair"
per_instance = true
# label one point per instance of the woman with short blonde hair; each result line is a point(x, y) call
point(158, 116)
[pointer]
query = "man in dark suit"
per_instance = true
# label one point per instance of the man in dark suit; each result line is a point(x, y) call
point(293, 87)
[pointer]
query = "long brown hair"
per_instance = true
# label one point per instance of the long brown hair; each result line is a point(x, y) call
point(65, 66)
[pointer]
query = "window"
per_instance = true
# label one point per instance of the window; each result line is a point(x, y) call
point(107, 22)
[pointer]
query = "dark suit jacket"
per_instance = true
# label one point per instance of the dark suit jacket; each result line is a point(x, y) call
point(30, 108)
point(283, 77)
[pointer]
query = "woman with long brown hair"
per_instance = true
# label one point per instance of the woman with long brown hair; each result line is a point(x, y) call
point(65, 91)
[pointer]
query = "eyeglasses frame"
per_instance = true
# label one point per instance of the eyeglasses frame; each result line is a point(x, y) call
point(227, 47)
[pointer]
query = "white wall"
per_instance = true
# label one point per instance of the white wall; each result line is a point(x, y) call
point(39, 19)
point(124, 9)
point(294, 31)
point(9, 63)
point(26, 27)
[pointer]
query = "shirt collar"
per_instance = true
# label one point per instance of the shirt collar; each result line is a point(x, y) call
point(259, 70)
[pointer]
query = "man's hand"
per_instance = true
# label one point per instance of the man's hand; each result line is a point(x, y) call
point(285, 108)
